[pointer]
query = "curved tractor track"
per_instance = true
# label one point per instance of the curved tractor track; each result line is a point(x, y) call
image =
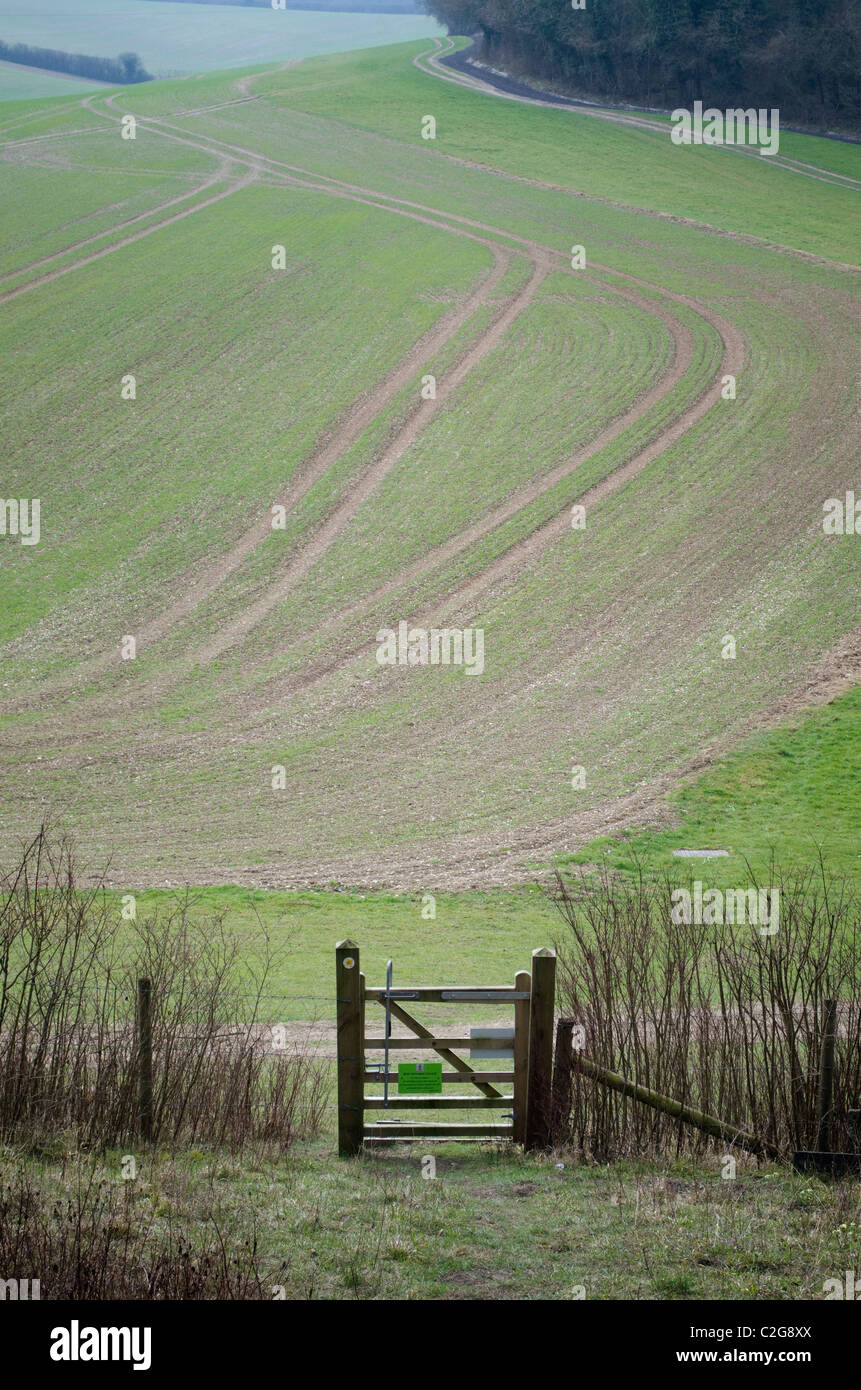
point(112, 231)
point(543, 258)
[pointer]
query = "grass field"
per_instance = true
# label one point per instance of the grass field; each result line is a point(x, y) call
point(302, 387)
point(631, 166)
point(791, 793)
point(19, 83)
point(838, 156)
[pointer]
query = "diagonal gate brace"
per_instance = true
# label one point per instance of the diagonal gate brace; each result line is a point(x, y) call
point(421, 1032)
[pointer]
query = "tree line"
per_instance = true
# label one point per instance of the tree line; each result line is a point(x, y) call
point(117, 71)
point(801, 56)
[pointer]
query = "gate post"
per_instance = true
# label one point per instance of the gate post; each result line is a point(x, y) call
point(351, 1048)
point(541, 1013)
point(560, 1103)
point(522, 981)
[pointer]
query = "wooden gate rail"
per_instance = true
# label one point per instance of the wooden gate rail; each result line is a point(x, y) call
point(494, 994)
point(439, 1044)
point(439, 1102)
point(532, 998)
point(448, 1076)
point(430, 1131)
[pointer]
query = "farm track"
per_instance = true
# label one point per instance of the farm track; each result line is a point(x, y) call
point(313, 549)
point(18, 121)
point(516, 502)
point(303, 560)
point(531, 96)
point(51, 135)
point(124, 241)
point(517, 557)
point(118, 227)
point(541, 256)
point(732, 341)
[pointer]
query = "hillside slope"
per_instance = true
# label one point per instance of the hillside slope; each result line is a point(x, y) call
point(606, 647)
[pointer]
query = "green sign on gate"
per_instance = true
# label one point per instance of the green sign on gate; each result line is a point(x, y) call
point(419, 1078)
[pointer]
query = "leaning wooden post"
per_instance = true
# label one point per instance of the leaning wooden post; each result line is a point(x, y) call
point(145, 1060)
point(522, 982)
point(542, 1004)
point(709, 1124)
point(826, 1077)
point(560, 1104)
point(351, 1044)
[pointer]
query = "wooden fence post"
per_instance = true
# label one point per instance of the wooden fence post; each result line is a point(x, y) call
point(145, 1059)
point(351, 1045)
point(826, 1077)
point(522, 981)
point(542, 1006)
point(560, 1105)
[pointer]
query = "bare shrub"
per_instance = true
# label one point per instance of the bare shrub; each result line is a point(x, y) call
point(68, 984)
point(723, 1018)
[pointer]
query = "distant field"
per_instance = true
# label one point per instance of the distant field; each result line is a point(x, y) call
point(174, 39)
point(19, 83)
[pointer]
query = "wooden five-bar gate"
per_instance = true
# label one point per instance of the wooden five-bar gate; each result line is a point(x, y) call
point(529, 1101)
